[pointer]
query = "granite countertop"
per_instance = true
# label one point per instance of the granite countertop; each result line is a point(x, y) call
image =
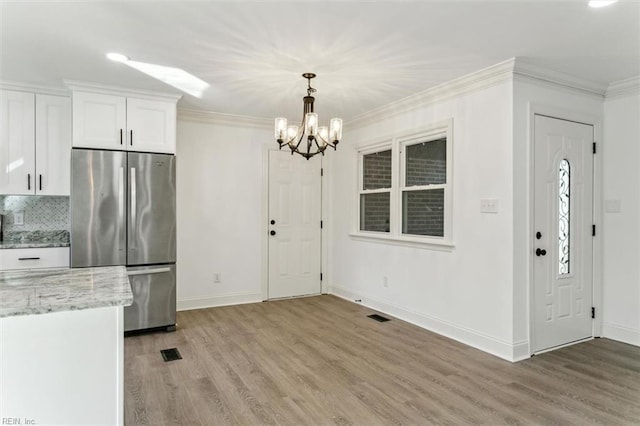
point(40, 291)
point(35, 244)
point(35, 239)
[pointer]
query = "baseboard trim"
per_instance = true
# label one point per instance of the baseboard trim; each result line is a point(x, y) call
point(621, 333)
point(508, 351)
point(216, 301)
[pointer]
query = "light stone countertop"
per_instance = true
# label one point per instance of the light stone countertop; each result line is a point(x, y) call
point(40, 291)
point(33, 245)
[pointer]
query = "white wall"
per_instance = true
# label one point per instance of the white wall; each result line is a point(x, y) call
point(465, 293)
point(621, 231)
point(219, 213)
point(531, 95)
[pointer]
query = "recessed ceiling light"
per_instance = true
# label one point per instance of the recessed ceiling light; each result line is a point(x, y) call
point(601, 3)
point(117, 57)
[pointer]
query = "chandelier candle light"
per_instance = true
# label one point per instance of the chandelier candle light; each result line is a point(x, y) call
point(318, 138)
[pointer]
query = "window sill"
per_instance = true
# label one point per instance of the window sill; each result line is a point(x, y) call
point(416, 242)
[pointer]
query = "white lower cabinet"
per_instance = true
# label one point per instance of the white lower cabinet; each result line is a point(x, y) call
point(31, 258)
point(63, 368)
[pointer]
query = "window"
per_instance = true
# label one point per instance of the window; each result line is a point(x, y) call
point(564, 205)
point(424, 178)
point(375, 191)
point(404, 188)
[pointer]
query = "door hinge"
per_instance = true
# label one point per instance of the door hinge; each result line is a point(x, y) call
point(321, 224)
point(321, 171)
point(593, 230)
point(594, 147)
point(320, 276)
point(593, 312)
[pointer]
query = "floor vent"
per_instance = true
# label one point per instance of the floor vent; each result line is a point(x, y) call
point(378, 318)
point(170, 354)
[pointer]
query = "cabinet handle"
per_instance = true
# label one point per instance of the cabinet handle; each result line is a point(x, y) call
point(28, 258)
point(131, 137)
point(29, 181)
point(40, 177)
point(120, 136)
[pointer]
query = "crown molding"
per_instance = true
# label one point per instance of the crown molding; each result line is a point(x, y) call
point(83, 86)
point(509, 70)
point(209, 117)
point(478, 80)
point(27, 87)
point(558, 79)
point(627, 87)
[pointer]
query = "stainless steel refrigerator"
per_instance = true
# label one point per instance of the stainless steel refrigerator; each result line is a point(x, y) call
point(123, 212)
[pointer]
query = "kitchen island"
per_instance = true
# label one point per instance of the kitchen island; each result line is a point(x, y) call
point(61, 345)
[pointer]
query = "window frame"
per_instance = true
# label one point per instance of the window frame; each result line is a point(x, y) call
point(380, 147)
point(398, 144)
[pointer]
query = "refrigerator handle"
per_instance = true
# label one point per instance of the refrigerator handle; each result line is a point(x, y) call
point(148, 271)
point(121, 195)
point(133, 224)
point(121, 214)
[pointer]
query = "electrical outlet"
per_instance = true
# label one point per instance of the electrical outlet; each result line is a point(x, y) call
point(216, 277)
point(385, 281)
point(489, 205)
point(18, 218)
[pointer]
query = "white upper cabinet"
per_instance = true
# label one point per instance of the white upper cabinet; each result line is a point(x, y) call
point(53, 145)
point(123, 123)
point(17, 143)
point(34, 144)
point(99, 121)
point(151, 125)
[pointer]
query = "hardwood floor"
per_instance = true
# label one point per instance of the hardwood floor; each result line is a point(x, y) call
point(320, 360)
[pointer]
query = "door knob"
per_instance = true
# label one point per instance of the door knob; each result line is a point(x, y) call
point(541, 252)
point(538, 235)
point(272, 232)
point(273, 222)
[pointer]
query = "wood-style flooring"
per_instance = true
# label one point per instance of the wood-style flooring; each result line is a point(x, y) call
point(321, 361)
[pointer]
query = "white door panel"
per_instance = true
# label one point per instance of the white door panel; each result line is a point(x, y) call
point(53, 145)
point(17, 142)
point(294, 215)
point(99, 121)
point(563, 218)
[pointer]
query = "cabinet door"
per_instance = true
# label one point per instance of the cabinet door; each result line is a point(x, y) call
point(53, 145)
point(17, 142)
point(98, 120)
point(151, 126)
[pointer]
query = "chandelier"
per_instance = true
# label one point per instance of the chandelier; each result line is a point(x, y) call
point(317, 139)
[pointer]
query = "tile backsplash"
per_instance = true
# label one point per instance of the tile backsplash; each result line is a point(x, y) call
point(40, 213)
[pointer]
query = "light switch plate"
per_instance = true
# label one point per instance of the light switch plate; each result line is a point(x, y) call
point(488, 205)
point(18, 218)
point(612, 206)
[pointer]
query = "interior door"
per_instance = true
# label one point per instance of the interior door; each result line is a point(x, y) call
point(294, 225)
point(563, 218)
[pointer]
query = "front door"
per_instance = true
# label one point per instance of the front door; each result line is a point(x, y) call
point(294, 225)
point(563, 218)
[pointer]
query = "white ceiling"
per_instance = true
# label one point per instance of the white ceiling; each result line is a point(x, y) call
point(366, 54)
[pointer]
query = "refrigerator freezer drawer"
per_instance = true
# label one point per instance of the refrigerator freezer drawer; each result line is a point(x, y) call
point(154, 297)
